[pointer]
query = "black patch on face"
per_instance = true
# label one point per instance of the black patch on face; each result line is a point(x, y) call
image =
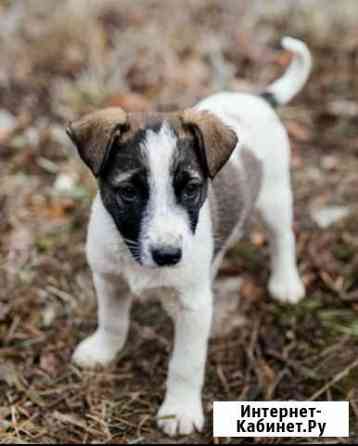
point(126, 202)
point(190, 181)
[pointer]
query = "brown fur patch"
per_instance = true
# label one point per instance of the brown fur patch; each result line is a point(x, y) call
point(218, 140)
point(94, 133)
point(142, 120)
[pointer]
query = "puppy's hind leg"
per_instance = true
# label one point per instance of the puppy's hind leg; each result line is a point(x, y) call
point(275, 206)
point(114, 302)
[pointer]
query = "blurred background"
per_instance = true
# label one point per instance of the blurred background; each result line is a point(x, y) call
point(62, 59)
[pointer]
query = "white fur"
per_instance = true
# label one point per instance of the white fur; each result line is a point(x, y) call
point(165, 222)
point(259, 129)
point(287, 86)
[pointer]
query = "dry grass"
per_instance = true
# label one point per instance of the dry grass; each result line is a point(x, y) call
point(60, 59)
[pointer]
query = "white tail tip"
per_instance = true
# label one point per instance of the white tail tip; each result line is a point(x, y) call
point(296, 75)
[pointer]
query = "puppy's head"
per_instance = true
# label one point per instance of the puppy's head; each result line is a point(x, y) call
point(153, 172)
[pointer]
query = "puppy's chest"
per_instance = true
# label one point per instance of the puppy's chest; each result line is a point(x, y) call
point(147, 284)
point(141, 285)
point(146, 288)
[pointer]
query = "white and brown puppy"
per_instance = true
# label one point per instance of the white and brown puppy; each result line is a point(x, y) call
point(174, 192)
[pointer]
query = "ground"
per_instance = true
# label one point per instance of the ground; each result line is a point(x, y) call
point(61, 59)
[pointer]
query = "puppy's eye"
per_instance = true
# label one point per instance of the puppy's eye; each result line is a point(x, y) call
point(127, 192)
point(191, 190)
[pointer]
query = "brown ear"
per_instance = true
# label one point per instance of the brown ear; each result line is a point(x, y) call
point(94, 135)
point(216, 140)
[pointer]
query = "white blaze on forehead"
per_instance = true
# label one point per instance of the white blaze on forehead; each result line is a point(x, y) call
point(159, 148)
point(165, 222)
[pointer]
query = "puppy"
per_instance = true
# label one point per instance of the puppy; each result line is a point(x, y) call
point(174, 192)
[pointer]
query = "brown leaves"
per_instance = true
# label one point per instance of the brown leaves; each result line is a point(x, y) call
point(298, 131)
point(130, 102)
point(60, 62)
point(49, 362)
point(54, 210)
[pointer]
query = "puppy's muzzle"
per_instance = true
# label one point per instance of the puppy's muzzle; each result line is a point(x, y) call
point(166, 255)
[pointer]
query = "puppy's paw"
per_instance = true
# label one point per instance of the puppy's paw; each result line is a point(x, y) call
point(180, 418)
point(94, 351)
point(287, 288)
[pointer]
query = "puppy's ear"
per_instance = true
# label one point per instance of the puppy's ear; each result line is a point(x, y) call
point(94, 135)
point(216, 141)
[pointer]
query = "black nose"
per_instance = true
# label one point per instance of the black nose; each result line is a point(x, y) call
point(166, 255)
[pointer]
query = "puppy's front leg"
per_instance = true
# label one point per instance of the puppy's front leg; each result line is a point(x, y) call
point(181, 411)
point(114, 302)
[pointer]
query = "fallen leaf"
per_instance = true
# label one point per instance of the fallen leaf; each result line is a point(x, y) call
point(131, 102)
point(327, 216)
point(298, 131)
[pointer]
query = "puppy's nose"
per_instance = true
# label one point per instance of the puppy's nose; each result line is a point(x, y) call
point(166, 255)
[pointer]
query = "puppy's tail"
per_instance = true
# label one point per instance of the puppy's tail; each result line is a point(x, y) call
point(284, 89)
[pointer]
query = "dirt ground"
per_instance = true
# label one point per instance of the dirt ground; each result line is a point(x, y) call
point(61, 59)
